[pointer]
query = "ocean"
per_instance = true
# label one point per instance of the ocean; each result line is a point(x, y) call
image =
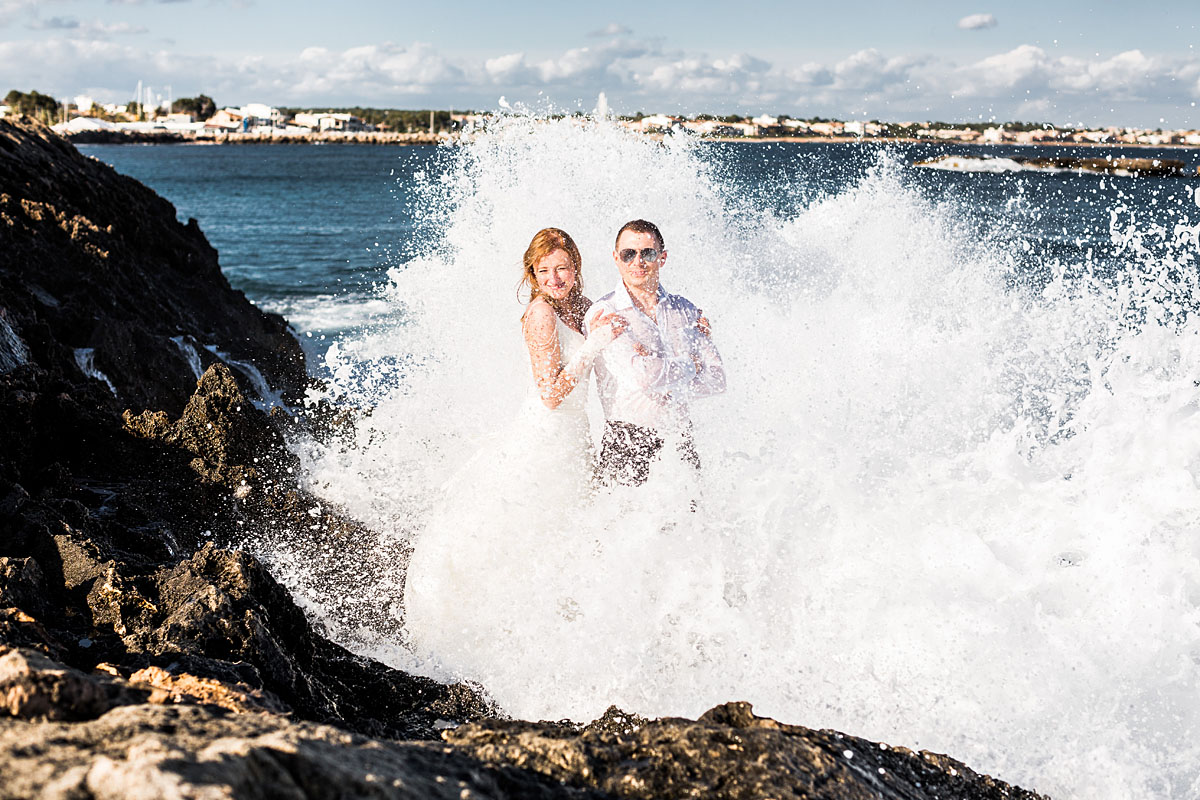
point(950, 501)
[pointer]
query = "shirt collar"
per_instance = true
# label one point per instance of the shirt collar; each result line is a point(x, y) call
point(623, 300)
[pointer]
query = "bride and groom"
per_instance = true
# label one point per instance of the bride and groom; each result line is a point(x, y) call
point(651, 351)
point(511, 544)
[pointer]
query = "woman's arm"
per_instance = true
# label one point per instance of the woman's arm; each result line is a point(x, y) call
point(556, 380)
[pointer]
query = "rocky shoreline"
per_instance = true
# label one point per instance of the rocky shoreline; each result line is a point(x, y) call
point(143, 654)
point(1123, 166)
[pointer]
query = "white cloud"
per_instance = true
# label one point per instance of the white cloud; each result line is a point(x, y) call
point(810, 74)
point(610, 63)
point(871, 71)
point(611, 29)
point(1125, 73)
point(1130, 75)
point(1023, 82)
point(733, 77)
point(12, 10)
point(369, 70)
point(975, 22)
point(94, 29)
point(510, 68)
point(55, 24)
point(1026, 66)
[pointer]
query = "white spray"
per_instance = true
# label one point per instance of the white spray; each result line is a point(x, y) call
point(935, 510)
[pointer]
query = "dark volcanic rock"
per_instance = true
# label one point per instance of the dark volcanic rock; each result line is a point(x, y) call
point(224, 606)
point(165, 753)
point(98, 273)
point(212, 614)
point(1147, 167)
point(727, 753)
point(1120, 165)
point(108, 522)
point(137, 739)
point(33, 686)
point(233, 442)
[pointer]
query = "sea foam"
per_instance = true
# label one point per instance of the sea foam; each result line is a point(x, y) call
point(942, 506)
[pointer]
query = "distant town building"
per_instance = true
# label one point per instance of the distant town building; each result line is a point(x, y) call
point(656, 122)
point(262, 115)
point(81, 124)
point(1096, 137)
point(251, 117)
point(468, 122)
point(328, 121)
point(228, 119)
point(827, 128)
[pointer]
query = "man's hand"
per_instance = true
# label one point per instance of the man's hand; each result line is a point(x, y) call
point(606, 326)
point(704, 326)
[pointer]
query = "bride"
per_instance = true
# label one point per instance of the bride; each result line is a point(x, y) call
point(521, 494)
point(558, 353)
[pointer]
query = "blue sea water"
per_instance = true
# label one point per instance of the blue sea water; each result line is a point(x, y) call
point(311, 230)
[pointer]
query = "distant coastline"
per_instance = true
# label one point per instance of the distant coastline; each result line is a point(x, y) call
point(409, 139)
point(199, 119)
point(255, 137)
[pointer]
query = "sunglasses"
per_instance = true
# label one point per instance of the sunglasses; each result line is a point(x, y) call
point(648, 254)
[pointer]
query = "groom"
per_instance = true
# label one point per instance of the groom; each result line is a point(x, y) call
point(647, 376)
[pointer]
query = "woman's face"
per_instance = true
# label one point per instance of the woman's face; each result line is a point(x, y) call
point(555, 274)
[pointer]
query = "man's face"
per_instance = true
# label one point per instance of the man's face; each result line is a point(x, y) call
point(638, 273)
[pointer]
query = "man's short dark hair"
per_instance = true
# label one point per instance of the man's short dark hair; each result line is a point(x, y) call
point(642, 226)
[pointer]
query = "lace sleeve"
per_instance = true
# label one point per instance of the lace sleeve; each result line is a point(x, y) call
point(545, 353)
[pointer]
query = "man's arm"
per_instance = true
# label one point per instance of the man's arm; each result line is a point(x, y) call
point(697, 371)
point(695, 335)
point(710, 369)
point(659, 372)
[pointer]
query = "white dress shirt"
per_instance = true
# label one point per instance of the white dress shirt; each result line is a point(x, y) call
point(681, 364)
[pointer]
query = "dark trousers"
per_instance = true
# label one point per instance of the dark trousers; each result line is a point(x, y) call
point(627, 450)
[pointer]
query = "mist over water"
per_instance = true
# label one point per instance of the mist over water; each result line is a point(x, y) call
point(950, 500)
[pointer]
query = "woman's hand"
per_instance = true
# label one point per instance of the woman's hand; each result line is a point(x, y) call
point(704, 326)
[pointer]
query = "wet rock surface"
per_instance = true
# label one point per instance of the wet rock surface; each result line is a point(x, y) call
point(99, 275)
point(167, 752)
point(727, 753)
point(146, 652)
point(1121, 165)
point(121, 513)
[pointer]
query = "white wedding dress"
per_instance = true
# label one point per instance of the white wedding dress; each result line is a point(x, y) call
point(496, 541)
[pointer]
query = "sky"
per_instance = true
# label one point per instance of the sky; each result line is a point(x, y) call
point(1065, 62)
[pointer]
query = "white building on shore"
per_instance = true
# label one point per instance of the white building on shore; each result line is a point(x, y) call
point(329, 121)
